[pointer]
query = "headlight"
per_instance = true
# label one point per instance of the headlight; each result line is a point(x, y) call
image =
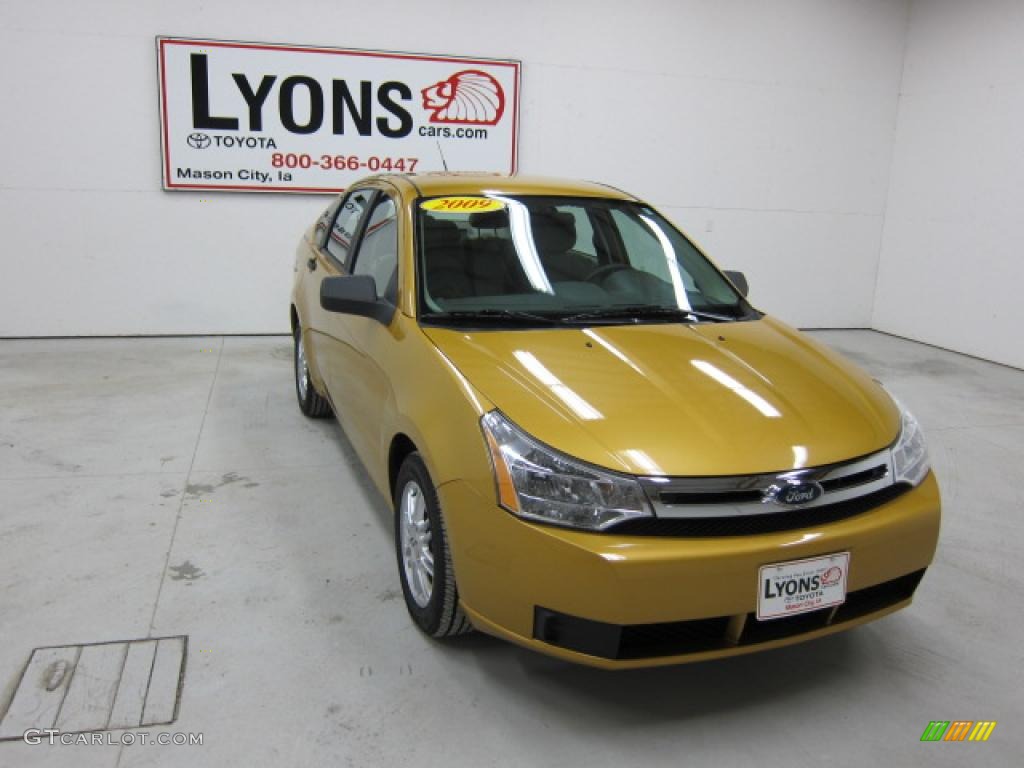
point(535, 482)
point(909, 455)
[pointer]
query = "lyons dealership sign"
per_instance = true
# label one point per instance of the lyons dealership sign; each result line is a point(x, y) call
point(257, 117)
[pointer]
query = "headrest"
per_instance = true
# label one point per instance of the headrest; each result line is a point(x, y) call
point(553, 232)
point(441, 234)
point(488, 262)
point(497, 219)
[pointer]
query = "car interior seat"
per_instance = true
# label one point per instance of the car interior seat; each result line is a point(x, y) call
point(554, 234)
point(445, 264)
point(493, 264)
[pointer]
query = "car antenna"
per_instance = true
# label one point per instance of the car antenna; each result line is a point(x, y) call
point(445, 164)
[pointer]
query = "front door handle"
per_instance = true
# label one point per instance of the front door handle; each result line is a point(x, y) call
point(311, 263)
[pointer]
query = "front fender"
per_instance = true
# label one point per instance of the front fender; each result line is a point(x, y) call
point(438, 409)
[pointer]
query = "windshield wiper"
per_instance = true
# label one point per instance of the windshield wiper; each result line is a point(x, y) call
point(639, 311)
point(491, 315)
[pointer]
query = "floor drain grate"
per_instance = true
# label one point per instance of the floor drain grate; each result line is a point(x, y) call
point(98, 687)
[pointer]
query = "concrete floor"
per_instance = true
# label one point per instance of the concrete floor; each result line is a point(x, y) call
point(126, 464)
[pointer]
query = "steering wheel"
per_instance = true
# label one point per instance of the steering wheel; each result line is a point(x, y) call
point(599, 274)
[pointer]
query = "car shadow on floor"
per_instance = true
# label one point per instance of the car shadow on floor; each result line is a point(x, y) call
point(379, 508)
point(680, 692)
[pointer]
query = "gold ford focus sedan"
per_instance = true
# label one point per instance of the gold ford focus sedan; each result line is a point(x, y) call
point(595, 446)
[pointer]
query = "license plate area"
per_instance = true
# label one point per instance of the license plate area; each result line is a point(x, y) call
point(801, 586)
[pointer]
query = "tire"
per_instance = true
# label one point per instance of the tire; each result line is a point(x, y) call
point(311, 402)
point(433, 602)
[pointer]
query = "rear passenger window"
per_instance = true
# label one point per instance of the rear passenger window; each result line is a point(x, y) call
point(378, 251)
point(323, 224)
point(339, 243)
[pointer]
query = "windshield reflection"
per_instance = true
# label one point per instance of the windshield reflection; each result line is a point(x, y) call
point(525, 246)
point(671, 264)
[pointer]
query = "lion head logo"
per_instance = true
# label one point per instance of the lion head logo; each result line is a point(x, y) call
point(831, 577)
point(470, 97)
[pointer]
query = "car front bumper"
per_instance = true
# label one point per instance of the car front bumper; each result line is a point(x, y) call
point(628, 601)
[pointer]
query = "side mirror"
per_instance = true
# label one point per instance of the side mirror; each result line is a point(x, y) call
point(355, 295)
point(739, 280)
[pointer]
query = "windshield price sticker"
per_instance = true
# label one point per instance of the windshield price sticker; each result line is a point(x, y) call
point(462, 205)
point(258, 117)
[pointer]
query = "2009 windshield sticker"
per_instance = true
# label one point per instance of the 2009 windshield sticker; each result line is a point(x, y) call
point(462, 204)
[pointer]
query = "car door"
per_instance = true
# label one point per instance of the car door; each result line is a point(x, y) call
point(334, 236)
point(359, 347)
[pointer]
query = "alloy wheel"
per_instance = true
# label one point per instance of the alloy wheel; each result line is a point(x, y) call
point(417, 559)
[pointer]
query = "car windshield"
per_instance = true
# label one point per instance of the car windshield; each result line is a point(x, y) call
point(534, 259)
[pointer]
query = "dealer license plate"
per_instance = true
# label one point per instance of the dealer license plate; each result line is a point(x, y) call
point(799, 586)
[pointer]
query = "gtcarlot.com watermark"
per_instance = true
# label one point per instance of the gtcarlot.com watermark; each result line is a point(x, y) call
point(127, 738)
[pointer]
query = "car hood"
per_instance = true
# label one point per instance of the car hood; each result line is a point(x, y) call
point(678, 399)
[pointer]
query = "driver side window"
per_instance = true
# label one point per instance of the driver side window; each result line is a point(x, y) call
point(346, 224)
point(378, 250)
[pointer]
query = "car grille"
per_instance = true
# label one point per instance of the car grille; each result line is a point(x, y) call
point(642, 641)
point(742, 505)
point(748, 525)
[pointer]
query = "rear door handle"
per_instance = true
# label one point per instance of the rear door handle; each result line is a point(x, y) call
point(311, 263)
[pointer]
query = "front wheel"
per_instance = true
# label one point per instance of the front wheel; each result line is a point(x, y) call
point(311, 402)
point(424, 558)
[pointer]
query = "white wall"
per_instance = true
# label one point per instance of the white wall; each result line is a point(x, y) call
point(952, 263)
point(765, 128)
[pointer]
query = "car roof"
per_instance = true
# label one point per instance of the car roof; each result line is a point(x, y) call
point(434, 184)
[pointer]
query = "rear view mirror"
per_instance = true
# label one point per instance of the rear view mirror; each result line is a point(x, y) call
point(739, 280)
point(355, 295)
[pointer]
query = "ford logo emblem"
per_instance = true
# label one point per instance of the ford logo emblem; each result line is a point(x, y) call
point(794, 494)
